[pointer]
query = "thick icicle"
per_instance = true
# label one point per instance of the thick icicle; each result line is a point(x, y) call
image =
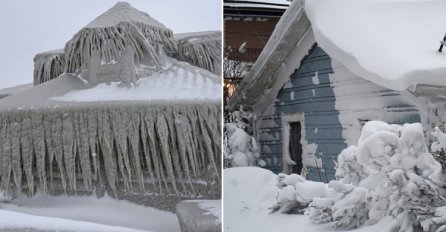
point(68, 149)
point(39, 149)
point(6, 157)
point(27, 152)
point(163, 133)
point(15, 149)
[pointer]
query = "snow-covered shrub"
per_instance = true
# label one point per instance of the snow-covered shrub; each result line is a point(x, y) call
point(389, 173)
point(295, 193)
point(319, 210)
point(241, 149)
point(348, 169)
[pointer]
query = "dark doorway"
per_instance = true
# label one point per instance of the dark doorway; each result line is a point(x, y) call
point(295, 146)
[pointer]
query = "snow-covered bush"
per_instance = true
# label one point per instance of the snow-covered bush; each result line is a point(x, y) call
point(295, 193)
point(240, 148)
point(389, 173)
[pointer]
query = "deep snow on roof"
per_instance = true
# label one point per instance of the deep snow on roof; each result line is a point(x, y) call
point(393, 43)
point(123, 12)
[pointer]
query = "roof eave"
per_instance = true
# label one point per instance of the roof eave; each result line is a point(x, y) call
point(290, 29)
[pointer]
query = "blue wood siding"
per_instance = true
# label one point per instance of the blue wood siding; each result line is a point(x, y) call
point(316, 99)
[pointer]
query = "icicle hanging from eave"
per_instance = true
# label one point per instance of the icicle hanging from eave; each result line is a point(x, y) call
point(48, 66)
point(203, 51)
point(110, 42)
point(118, 146)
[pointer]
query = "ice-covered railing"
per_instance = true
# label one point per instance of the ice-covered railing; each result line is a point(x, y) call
point(202, 49)
point(165, 148)
point(110, 34)
point(48, 65)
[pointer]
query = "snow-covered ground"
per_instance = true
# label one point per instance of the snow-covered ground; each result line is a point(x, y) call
point(253, 190)
point(84, 213)
point(393, 43)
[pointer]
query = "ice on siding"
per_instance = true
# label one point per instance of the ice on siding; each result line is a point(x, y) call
point(310, 158)
point(393, 43)
point(315, 78)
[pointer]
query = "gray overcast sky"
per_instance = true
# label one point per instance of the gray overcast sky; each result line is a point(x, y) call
point(29, 27)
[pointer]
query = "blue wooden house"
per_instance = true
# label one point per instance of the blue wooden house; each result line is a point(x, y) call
point(309, 107)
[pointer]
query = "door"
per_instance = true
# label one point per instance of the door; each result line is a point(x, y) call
point(295, 147)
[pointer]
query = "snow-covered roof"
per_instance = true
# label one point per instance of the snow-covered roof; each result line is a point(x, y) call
point(15, 89)
point(272, 4)
point(393, 43)
point(181, 82)
point(123, 12)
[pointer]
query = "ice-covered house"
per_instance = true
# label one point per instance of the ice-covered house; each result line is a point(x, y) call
point(114, 112)
point(331, 66)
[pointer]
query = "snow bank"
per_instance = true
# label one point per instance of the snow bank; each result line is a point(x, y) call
point(252, 191)
point(85, 213)
point(393, 43)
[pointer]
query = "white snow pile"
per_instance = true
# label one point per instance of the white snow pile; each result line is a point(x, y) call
point(389, 176)
point(241, 149)
point(84, 213)
point(393, 43)
point(180, 81)
point(252, 191)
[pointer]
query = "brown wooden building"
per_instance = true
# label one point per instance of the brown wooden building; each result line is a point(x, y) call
point(248, 24)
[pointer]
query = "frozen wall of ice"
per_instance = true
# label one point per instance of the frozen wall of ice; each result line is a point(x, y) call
point(165, 148)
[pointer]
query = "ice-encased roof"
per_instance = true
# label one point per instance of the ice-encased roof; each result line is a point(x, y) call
point(201, 49)
point(15, 89)
point(181, 82)
point(123, 12)
point(119, 28)
point(393, 43)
